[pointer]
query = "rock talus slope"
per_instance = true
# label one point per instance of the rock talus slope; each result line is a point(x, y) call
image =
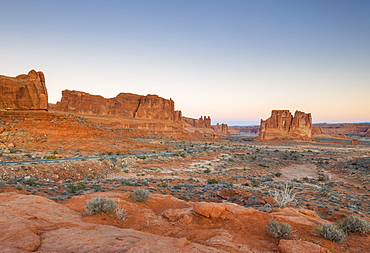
point(24, 92)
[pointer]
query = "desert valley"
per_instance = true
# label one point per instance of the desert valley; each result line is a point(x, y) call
point(170, 183)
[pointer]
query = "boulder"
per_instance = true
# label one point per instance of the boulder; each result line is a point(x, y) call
point(24, 92)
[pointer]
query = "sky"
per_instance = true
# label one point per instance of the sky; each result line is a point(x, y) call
point(234, 60)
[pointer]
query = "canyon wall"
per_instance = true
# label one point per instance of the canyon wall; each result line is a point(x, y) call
point(24, 92)
point(283, 126)
point(124, 104)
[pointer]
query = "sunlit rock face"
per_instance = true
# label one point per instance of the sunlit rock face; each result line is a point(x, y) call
point(124, 104)
point(283, 126)
point(24, 92)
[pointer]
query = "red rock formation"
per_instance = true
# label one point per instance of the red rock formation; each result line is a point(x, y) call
point(245, 129)
point(359, 129)
point(317, 130)
point(283, 126)
point(198, 123)
point(124, 104)
point(221, 129)
point(24, 92)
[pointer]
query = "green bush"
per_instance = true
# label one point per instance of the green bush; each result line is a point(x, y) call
point(100, 205)
point(72, 188)
point(140, 195)
point(321, 178)
point(278, 174)
point(29, 182)
point(81, 185)
point(51, 157)
point(279, 229)
point(212, 181)
point(331, 232)
point(354, 224)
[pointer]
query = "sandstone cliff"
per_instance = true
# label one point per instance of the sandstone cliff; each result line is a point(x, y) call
point(203, 127)
point(221, 129)
point(124, 104)
point(24, 92)
point(283, 126)
point(198, 123)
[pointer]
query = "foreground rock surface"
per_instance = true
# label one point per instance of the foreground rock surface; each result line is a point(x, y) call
point(163, 223)
point(24, 92)
point(283, 126)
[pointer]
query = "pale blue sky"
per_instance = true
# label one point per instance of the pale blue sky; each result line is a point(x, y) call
point(232, 60)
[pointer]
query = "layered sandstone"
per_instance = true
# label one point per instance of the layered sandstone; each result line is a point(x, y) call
point(124, 104)
point(24, 92)
point(203, 127)
point(359, 129)
point(283, 126)
point(221, 129)
point(202, 122)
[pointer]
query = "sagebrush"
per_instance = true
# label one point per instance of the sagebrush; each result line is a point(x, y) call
point(100, 205)
point(331, 232)
point(354, 224)
point(140, 195)
point(279, 229)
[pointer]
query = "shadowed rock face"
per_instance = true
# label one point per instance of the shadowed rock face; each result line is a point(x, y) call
point(124, 104)
point(24, 92)
point(283, 126)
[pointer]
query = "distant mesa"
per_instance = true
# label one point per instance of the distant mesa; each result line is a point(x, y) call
point(132, 106)
point(283, 126)
point(204, 127)
point(124, 104)
point(24, 92)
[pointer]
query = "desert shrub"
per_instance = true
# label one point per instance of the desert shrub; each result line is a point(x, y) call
point(121, 213)
point(81, 185)
point(30, 182)
point(72, 188)
point(207, 170)
point(100, 205)
point(324, 191)
point(321, 178)
point(140, 195)
point(50, 157)
point(164, 185)
point(279, 229)
point(2, 184)
point(354, 224)
point(278, 174)
point(284, 196)
point(255, 182)
point(96, 187)
point(331, 232)
point(19, 187)
point(212, 181)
